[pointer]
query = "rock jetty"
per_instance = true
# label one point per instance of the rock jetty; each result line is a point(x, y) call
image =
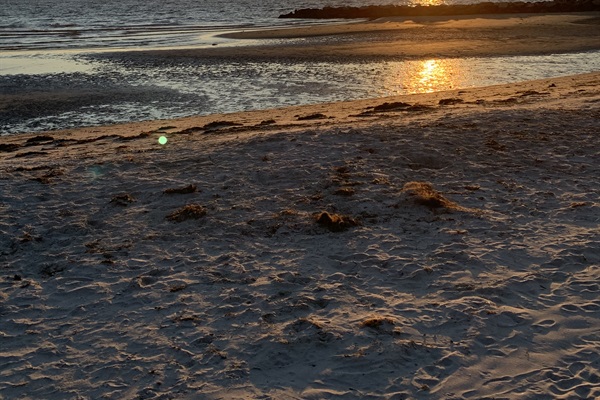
point(372, 12)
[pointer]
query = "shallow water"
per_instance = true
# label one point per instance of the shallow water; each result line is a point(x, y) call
point(46, 47)
point(116, 90)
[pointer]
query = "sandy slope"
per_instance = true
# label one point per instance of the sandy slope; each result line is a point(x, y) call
point(487, 289)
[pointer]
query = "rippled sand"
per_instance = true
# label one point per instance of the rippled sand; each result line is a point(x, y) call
point(430, 246)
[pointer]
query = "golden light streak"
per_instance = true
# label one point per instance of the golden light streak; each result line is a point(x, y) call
point(428, 2)
point(435, 75)
point(425, 76)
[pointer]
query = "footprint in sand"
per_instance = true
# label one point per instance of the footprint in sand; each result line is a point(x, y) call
point(509, 319)
point(591, 307)
point(544, 326)
point(569, 308)
point(486, 340)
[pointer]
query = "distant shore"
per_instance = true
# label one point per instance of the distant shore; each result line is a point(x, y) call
point(508, 7)
point(439, 36)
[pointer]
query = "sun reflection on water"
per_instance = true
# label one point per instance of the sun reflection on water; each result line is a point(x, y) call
point(434, 75)
point(425, 76)
point(427, 2)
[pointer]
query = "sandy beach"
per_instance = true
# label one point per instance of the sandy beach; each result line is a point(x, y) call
point(433, 246)
point(207, 267)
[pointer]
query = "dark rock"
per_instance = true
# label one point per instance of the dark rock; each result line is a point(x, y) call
point(312, 116)
point(449, 102)
point(9, 147)
point(372, 12)
point(38, 140)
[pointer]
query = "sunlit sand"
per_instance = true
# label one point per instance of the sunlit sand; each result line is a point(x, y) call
point(435, 245)
point(391, 248)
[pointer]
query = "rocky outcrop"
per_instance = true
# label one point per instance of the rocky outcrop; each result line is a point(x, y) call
point(372, 12)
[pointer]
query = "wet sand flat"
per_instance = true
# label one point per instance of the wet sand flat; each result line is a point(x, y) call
point(421, 37)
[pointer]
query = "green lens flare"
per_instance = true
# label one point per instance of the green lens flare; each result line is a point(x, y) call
point(162, 140)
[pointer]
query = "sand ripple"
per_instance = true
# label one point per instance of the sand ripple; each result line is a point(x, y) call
point(492, 295)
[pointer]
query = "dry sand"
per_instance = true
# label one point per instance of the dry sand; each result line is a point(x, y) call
point(349, 250)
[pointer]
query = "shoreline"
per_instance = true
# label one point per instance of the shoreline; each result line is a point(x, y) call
point(452, 36)
point(385, 40)
point(393, 38)
point(448, 241)
point(550, 91)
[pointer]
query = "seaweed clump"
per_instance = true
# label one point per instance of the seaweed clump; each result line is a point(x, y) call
point(189, 211)
point(335, 222)
point(424, 194)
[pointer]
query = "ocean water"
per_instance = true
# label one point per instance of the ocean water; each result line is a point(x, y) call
point(69, 24)
point(115, 90)
point(49, 47)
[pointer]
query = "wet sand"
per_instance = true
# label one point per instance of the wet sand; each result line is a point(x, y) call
point(421, 37)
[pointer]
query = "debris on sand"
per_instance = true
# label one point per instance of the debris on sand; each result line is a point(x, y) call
point(424, 194)
point(189, 211)
point(122, 199)
point(335, 222)
point(191, 188)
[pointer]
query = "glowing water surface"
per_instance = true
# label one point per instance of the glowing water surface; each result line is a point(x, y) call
point(85, 24)
point(428, 76)
point(122, 90)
